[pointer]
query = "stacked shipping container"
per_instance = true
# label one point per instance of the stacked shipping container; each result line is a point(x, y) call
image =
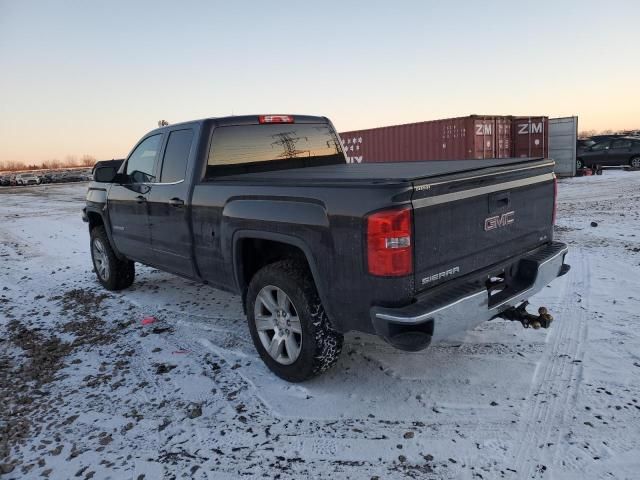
point(472, 137)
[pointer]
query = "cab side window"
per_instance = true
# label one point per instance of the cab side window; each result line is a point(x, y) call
point(142, 162)
point(176, 156)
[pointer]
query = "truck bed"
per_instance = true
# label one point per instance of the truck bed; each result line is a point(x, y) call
point(382, 172)
point(489, 209)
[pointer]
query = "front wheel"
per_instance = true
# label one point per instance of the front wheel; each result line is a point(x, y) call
point(635, 162)
point(579, 164)
point(288, 324)
point(112, 273)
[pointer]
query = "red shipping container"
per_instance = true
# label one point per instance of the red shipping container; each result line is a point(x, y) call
point(503, 137)
point(462, 138)
point(530, 136)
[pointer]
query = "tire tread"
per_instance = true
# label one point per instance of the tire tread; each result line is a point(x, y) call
point(122, 271)
point(328, 341)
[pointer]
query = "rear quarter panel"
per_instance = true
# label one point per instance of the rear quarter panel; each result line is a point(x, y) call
point(326, 222)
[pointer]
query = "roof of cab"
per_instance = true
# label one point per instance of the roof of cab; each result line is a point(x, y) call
point(237, 120)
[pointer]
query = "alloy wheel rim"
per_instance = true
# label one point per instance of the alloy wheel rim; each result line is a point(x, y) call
point(278, 325)
point(635, 163)
point(100, 260)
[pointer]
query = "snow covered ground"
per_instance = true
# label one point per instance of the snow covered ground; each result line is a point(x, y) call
point(87, 391)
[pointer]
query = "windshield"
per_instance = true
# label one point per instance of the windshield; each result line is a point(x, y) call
point(251, 148)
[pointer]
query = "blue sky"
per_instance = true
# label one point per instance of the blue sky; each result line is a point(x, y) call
point(92, 77)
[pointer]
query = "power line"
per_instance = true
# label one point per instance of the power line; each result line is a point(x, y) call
point(288, 140)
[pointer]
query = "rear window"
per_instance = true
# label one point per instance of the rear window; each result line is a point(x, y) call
point(255, 148)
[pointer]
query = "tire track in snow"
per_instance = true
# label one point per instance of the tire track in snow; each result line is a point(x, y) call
point(557, 377)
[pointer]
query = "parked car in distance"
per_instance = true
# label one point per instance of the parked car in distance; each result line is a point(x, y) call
point(613, 152)
point(267, 206)
point(583, 144)
point(25, 179)
point(57, 177)
point(77, 176)
point(5, 181)
point(46, 178)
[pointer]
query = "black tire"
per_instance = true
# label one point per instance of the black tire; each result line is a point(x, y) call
point(119, 273)
point(635, 162)
point(320, 343)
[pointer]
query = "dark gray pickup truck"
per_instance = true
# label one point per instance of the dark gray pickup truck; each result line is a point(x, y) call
point(267, 207)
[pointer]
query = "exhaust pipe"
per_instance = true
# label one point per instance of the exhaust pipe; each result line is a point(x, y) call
point(520, 314)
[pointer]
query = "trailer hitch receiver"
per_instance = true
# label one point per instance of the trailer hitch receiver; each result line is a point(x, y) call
point(520, 314)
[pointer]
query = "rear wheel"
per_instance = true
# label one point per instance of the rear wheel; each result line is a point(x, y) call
point(288, 324)
point(635, 162)
point(112, 273)
point(579, 164)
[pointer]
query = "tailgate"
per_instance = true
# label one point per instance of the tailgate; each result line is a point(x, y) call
point(466, 222)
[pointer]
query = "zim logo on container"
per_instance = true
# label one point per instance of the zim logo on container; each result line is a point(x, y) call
point(483, 129)
point(526, 128)
point(499, 221)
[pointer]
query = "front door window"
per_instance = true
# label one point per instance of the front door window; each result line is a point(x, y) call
point(142, 162)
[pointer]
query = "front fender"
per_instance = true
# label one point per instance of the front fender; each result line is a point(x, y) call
point(97, 205)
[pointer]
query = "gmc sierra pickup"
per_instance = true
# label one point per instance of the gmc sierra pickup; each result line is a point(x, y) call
point(267, 207)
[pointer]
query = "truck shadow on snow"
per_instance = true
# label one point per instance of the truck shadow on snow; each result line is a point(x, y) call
point(486, 368)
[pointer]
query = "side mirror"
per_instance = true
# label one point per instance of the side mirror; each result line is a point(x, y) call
point(121, 178)
point(105, 174)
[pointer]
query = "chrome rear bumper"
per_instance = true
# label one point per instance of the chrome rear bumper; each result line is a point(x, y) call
point(433, 319)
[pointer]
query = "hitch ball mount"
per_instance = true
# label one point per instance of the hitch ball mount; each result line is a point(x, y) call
point(520, 314)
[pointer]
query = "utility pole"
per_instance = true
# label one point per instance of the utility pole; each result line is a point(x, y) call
point(288, 140)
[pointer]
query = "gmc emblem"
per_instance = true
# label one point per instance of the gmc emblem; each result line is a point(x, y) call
point(499, 221)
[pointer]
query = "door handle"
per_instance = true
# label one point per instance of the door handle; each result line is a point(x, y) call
point(140, 199)
point(176, 202)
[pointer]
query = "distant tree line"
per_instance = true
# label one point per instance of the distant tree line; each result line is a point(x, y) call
point(54, 164)
point(591, 133)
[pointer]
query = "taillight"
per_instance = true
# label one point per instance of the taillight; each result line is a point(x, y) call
point(389, 250)
point(555, 199)
point(275, 118)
